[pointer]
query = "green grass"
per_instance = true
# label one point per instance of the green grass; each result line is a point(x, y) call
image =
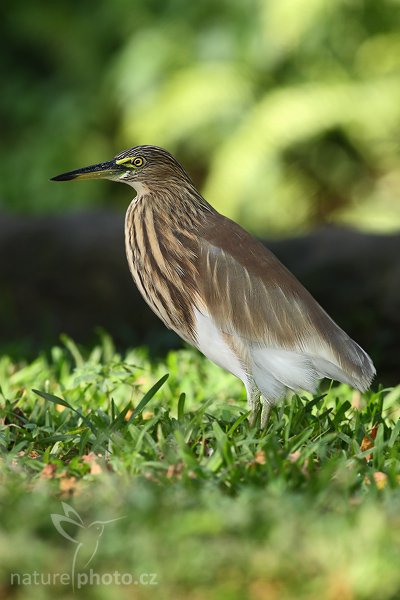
point(213, 508)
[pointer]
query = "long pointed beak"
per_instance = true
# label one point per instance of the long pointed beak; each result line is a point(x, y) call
point(100, 171)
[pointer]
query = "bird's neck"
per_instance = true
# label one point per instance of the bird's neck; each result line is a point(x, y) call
point(178, 203)
point(161, 240)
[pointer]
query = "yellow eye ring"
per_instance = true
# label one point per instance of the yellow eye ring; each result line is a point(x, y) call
point(130, 162)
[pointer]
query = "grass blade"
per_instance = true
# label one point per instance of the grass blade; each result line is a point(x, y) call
point(57, 400)
point(147, 397)
point(181, 406)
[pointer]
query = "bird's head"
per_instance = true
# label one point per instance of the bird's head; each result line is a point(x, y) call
point(142, 167)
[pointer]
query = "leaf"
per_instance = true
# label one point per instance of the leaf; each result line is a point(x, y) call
point(147, 397)
point(340, 414)
point(236, 424)
point(48, 471)
point(379, 478)
point(260, 458)
point(91, 460)
point(181, 406)
point(120, 418)
point(368, 442)
point(73, 348)
point(56, 400)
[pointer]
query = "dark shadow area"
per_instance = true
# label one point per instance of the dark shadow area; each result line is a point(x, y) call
point(68, 274)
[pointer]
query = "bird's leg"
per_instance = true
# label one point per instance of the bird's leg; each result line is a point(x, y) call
point(253, 402)
point(265, 412)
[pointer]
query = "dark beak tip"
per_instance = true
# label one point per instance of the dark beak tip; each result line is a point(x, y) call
point(92, 172)
point(64, 177)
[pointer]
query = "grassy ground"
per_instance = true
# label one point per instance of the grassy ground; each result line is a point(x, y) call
point(200, 505)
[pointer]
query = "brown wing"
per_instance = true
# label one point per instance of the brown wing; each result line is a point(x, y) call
point(249, 293)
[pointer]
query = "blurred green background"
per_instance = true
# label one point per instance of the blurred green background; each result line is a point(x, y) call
point(286, 113)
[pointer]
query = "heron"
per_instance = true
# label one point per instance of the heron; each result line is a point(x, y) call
point(223, 291)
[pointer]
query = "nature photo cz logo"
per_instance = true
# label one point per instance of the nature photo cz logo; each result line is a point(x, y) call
point(87, 541)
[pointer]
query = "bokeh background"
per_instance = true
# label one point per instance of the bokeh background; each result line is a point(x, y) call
point(286, 114)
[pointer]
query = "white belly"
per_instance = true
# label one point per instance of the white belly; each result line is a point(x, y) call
point(212, 344)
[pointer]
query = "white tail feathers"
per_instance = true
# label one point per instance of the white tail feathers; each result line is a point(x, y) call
point(276, 370)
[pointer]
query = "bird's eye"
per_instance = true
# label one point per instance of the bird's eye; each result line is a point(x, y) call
point(130, 162)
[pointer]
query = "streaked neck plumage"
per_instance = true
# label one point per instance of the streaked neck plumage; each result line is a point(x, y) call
point(161, 227)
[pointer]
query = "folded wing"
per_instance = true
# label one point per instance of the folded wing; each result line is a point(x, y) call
point(290, 340)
